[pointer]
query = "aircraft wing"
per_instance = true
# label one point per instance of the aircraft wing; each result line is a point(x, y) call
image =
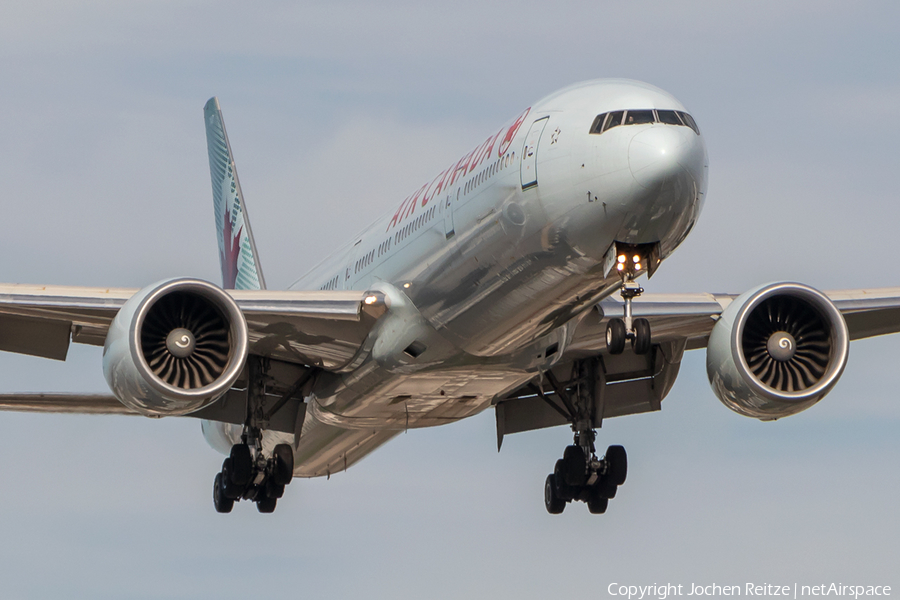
point(690, 317)
point(678, 322)
point(325, 329)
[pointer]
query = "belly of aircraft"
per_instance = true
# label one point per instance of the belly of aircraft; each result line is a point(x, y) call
point(423, 399)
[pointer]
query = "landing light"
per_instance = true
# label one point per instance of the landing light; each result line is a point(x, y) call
point(636, 258)
point(620, 266)
point(621, 258)
point(637, 266)
point(371, 299)
point(406, 285)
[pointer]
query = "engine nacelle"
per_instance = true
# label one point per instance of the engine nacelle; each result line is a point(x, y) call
point(777, 350)
point(175, 347)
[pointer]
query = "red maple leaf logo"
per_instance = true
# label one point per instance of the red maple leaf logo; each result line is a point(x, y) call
point(228, 255)
point(511, 133)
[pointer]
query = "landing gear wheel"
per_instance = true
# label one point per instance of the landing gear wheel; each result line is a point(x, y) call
point(274, 490)
point(266, 504)
point(574, 466)
point(563, 490)
point(555, 505)
point(615, 336)
point(229, 488)
point(596, 502)
point(283, 470)
point(641, 340)
point(241, 464)
point(222, 503)
point(605, 488)
point(617, 461)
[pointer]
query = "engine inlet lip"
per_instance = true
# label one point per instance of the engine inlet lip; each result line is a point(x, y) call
point(830, 314)
point(237, 333)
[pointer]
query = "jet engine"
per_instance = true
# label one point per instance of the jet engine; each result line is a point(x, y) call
point(776, 350)
point(175, 347)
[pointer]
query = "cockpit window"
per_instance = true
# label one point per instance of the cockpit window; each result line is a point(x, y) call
point(606, 121)
point(614, 118)
point(639, 117)
point(689, 121)
point(669, 117)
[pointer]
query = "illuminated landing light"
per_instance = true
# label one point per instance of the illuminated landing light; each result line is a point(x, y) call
point(406, 285)
point(636, 258)
point(637, 266)
point(620, 266)
point(621, 258)
point(371, 299)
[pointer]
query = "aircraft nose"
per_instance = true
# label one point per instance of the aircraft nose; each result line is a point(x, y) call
point(660, 152)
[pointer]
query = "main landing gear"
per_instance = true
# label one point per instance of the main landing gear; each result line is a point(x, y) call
point(580, 475)
point(247, 473)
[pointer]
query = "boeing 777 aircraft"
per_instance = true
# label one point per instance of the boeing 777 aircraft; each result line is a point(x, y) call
point(509, 280)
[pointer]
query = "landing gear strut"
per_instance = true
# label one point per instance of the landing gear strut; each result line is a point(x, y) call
point(247, 473)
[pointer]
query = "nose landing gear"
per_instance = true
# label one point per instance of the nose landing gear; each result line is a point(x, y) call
point(618, 331)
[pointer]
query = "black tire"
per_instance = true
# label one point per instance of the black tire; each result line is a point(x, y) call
point(596, 502)
point(605, 488)
point(575, 466)
point(283, 470)
point(222, 503)
point(554, 504)
point(241, 465)
point(615, 336)
point(640, 343)
point(274, 489)
point(563, 490)
point(617, 461)
point(266, 504)
point(229, 488)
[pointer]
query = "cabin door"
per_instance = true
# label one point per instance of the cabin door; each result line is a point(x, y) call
point(528, 168)
point(449, 229)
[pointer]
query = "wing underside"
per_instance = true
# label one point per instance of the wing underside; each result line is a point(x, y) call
point(328, 330)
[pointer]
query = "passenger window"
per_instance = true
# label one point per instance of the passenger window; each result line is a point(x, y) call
point(638, 117)
point(614, 119)
point(689, 121)
point(670, 117)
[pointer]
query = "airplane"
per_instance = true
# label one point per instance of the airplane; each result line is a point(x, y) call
point(509, 281)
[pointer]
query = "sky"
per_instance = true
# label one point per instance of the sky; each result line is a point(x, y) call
point(335, 112)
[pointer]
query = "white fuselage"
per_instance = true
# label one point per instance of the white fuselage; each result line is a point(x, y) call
point(492, 262)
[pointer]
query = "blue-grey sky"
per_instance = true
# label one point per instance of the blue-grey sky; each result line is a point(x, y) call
point(336, 111)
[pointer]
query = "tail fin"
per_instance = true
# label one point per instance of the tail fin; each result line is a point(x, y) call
point(237, 251)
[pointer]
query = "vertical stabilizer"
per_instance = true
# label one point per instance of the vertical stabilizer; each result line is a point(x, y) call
point(237, 251)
